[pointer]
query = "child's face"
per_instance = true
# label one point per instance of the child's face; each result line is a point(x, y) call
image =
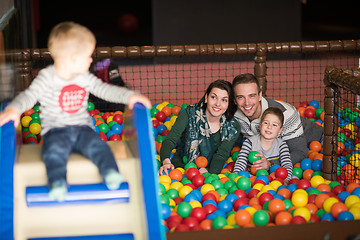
point(82, 60)
point(270, 127)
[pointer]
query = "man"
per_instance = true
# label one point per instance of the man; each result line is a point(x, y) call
point(298, 132)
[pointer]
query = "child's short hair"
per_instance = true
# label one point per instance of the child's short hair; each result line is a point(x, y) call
point(69, 37)
point(273, 110)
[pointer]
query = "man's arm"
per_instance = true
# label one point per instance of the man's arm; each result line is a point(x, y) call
point(298, 148)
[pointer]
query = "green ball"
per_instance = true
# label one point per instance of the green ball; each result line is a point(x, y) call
point(297, 172)
point(314, 191)
point(90, 106)
point(170, 105)
point(172, 193)
point(333, 184)
point(111, 123)
point(184, 209)
point(103, 127)
point(338, 170)
point(262, 172)
point(353, 116)
point(235, 155)
point(206, 174)
point(288, 204)
point(190, 165)
point(233, 188)
point(229, 184)
point(183, 106)
point(316, 173)
point(320, 212)
point(35, 116)
point(217, 184)
point(219, 222)
point(165, 199)
point(252, 158)
point(34, 121)
point(318, 112)
point(185, 160)
point(261, 218)
point(222, 191)
point(232, 176)
point(153, 111)
point(209, 179)
point(266, 205)
point(341, 137)
point(243, 183)
point(159, 139)
point(162, 189)
point(36, 108)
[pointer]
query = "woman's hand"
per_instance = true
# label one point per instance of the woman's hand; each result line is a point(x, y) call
point(263, 163)
point(166, 165)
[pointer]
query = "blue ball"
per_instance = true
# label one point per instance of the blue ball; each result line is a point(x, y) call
point(243, 206)
point(117, 128)
point(231, 197)
point(109, 134)
point(272, 192)
point(316, 165)
point(190, 197)
point(292, 187)
point(327, 217)
point(357, 122)
point(244, 174)
point(309, 189)
point(306, 164)
point(161, 128)
point(273, 168)
point(314, 103)
point(197, 194)
point(356, 192)
point(345, 216)
point(343, 195)
point(278, 196)
point(209, 201)
point(165, 210)
point(263, 178)
point(225, 206)
point(97, 130)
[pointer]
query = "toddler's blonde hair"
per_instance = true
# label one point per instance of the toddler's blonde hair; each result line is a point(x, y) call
point(69, 37)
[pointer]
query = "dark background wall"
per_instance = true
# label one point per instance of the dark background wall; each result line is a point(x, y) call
point(157, 22)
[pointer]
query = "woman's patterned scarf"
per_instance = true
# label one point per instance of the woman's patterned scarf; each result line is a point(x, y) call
point(198, 141)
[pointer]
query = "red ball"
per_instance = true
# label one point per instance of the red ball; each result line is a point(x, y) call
point(311, 198)
point(118, 118)
point(309, 113)
point(191, 172)
point(239, 202)
point(160, 116)
point(338, 189)
point(259, 181)
point(208, 196)
point(103, 136)
point(190, 222)
point(198, 180)
point(303, 184)
point(155, 123)
point(209, 209)
point(314, 218)
point(91, 112)
point(199, 213)
point(31, 140)
point(182, 228)
point(230, 166)
point(264, 197)
point(294, 181)
point(240, 193)
point(304, 104)
point(24, 134)
point(190, 185)
point(105, 116)
point(178, 200)
point(165, 132)
point(174, 221)
point(115, 137)
point(252, 193)
point(298, 220)
point(281, 172)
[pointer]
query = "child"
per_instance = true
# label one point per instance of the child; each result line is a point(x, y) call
point(272, 149)
point(63, 90)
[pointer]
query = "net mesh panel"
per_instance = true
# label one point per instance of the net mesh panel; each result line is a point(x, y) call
point(348, 154)
point(295, 77)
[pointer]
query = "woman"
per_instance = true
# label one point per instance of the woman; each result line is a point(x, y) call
point(205, 129)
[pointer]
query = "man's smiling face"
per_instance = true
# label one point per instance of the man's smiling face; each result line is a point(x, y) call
point(248, 99)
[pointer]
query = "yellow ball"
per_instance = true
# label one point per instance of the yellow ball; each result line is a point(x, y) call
point(181, 169)
point(357, 147)
point(221, 175)
point(109, 119)
point(258, 186)
point(251, 210)
point(351, 200)
point(227, 227)
point(166, 185)
point(355, 160)
point(25, 121)
point(236, 179)
point(299, 199)
point(168, 125)
point(185, 190)
point(195, 204)
point(303, 212)
point(275, 184)
point(176, 185)
point(206, 188)
point(35, 128)
point(222, 197)
point(356, 212)
point(173, 119)
point(328, 203)
point(231, 219)
point(229, 160)
point(316, 181)
point(172, 203)
point(164, 179)
point(267, 188)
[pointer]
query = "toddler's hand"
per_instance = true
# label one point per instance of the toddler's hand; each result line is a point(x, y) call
point(134, 98)
point(10, 114)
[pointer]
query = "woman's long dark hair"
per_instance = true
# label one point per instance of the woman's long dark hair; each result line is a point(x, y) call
point(223, 85)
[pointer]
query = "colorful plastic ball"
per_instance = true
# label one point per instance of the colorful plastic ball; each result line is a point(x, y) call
point(261, 218)
point(318, 112)
point(199, 213)
point(262, 172)
point(243, 183)
point(166, 211)
point(306, 164)
point(201, 162)
point(314, 103)
point(329, 202)
point(351, 200)
point(206, 188)
point(316, 165)
point(281, 173)
point(244, 174)
point(219, 222)
point(297, 172)
point(316, 181)
point(345, 216)
point(25, 121)
point(309, 113)
point(356, 192)
point(117, 128)
point(273, 168)
point(35, 128)
point(103, 127)
point(252, 158)
point(299, 199)
point(304, 212)
point(184, 209)
point(327, 217)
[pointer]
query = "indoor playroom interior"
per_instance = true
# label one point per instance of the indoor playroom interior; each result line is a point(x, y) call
point(301, 52)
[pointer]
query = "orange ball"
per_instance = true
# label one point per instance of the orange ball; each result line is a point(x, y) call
point(253, 171)
point(320, 199)
point(283, 218)
point(337, 208)
point(315, 146)
point(242, 217)
point(234, 149)
point(307, 174)
point(318, 156)
point(166, 110)
point(201, 162)
point(158, 146)
point(312, 208)
point(323, 187)
point(341, 147)
point(351, 187)
point(301, 111)
point(176, 174)
point(205, 224)
point(297, 165)
point(175, 110)
point(285, 193)
point(276, 205)
point(29, 112)
point(254, 201)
